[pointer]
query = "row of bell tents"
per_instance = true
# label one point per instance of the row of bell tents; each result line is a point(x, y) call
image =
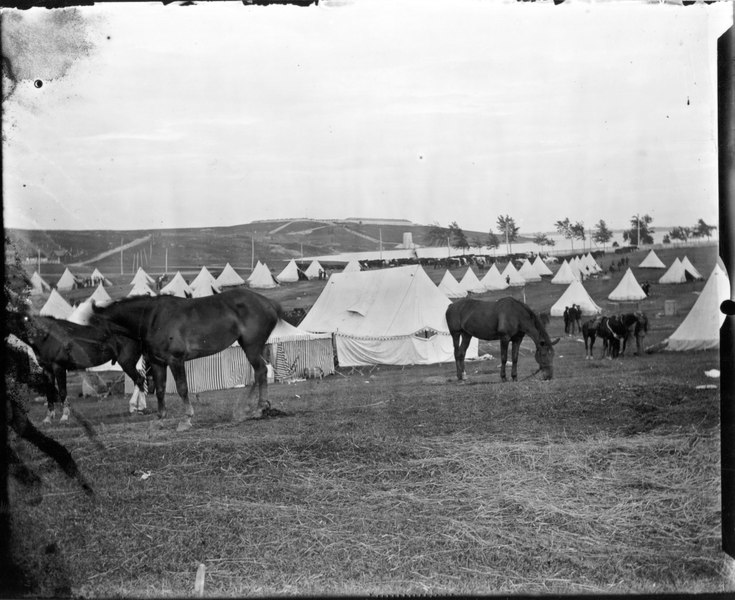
point(369, 326)
point(262, 278)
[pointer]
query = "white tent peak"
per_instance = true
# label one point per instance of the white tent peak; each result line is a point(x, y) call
point(628, 290)
point(56, 306)
point(470, 282)
point(541, 267)
point(688, 266)
point(177, 287)
point(38, 285)
point(451, 287)
point(493, 280)
point(700, 329)
point(290, 273)
point(652, 262)
point(565, 274)
point(141, 277)
point(262, 278)
point(528, 272)
point(228, 277)
point(575, 294)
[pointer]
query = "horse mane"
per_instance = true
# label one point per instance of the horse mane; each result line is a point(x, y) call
point(536, 322)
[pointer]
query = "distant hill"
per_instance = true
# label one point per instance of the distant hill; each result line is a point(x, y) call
point(274, 242)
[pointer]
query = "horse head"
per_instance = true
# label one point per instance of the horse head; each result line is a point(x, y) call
point(545, 356)
point(18, 323)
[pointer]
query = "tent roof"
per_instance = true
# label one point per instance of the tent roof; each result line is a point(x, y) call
point(177, 287)
point(257, 268)
point(203, 290)
point(352, 266)
point(141, 289)
point(565, 274)
point(516, 279)
point(700, 329)
point(541, 268)
point(575, 294)
point(652, 262)
point(493, 280)
point(528, 272)
point(383, 303)
point(56, 306)
point(674, 274)
point(470, 282)
point(38, 285)
point(204, 278)
point(67, 281)
point(285, 332)
point(100, 296)
point(691, 268)
point(141, 277)
point(262, 279)
point(229, 276)
point(628, 289)
point(450, 286)
point(312, 271)
point(80, 315)
point(290, 273)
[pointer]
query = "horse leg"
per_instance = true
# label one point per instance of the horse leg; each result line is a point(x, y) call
point(60, 374)
point(159, 376)
point(260, 369)
point(49, 386)
point(503, 357)
point(514, 357)
point(128, 361)
point(461, 343)
point(179, 373)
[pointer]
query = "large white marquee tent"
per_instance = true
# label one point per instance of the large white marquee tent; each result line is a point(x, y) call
point(388, 316)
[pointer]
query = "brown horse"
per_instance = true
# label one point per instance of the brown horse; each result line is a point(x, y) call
point(173, 330)
point(507, 320)
point(61, 346)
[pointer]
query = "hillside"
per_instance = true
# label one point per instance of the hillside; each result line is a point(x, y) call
point(274, 242)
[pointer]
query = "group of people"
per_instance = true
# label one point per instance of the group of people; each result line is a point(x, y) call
point(572, 319)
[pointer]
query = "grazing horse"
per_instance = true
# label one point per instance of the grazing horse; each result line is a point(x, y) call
point(507, 320)
point(62, 346)
point(173, 330)
point(636, 325)
point(589, 334)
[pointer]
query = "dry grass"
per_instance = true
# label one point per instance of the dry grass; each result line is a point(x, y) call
point(395, 482)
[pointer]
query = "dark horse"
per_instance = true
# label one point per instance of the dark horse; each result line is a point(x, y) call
point(507, 320)
point(636, 325)
point(19, 372)
point(610, 330)
point(173, 330)
point(62, 346)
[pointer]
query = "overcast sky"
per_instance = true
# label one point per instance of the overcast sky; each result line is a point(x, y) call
point(427, 110)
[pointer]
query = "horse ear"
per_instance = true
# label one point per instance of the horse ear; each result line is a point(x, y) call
point(555, 342)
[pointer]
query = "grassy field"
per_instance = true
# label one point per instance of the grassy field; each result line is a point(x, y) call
point(390, 480)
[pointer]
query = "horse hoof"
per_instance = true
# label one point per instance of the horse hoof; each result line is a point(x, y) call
point(184, 425)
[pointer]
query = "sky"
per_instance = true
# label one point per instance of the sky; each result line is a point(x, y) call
point(434, 111)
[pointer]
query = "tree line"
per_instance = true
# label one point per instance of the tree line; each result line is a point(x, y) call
point(506, 232)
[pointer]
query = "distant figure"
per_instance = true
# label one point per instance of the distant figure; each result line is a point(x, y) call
point(507, 279)
point(575, 318)
point(646, 287)
point(566, 320)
